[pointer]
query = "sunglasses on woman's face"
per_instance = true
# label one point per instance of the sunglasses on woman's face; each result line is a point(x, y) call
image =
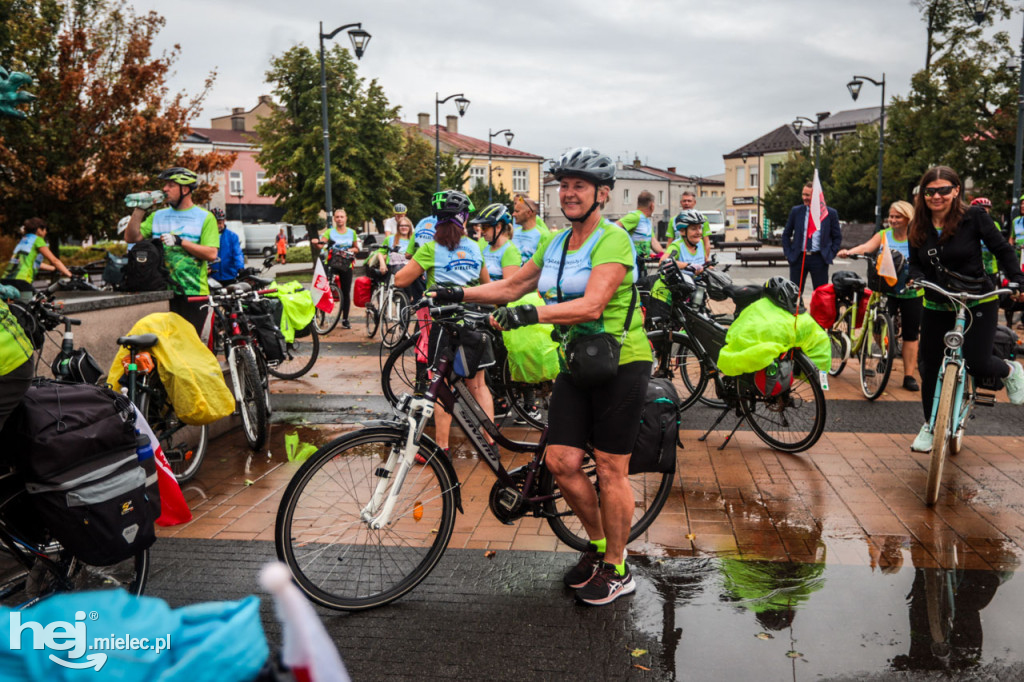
point(941, 191)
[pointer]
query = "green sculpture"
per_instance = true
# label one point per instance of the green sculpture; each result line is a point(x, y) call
point(11, 94)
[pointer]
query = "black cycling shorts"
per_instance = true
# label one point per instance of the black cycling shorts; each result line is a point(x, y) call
point(607, 417)
point(910, 310)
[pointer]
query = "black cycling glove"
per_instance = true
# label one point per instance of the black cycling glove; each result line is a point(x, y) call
point(516, 316)
point(446, 294)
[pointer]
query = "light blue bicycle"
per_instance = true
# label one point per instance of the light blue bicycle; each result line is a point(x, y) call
point(956, 391)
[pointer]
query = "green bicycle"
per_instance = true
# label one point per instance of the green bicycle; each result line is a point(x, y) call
point(871, 339)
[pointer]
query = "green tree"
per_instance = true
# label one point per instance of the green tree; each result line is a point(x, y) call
point(365, 142)
point(500, 195)
point(103, 124)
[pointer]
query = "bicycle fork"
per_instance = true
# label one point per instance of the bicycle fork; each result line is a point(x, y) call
point(378, 511)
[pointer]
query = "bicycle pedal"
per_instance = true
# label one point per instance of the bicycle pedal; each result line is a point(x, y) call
point(381, 472)
point(869, 373)
point(986, 399)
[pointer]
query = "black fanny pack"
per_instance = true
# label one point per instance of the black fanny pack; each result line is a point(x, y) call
point(593, 359)
point(958, 282)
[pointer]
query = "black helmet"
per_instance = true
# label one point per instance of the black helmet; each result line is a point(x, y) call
point(451, 204)
point(493, 214)
point(218, 213)
point(182, 176)
point(783, 293)
point(586, 163)
point(847, 283)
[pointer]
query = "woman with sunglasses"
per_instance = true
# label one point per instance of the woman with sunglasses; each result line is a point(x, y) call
point(907, 303)
point(945, 232)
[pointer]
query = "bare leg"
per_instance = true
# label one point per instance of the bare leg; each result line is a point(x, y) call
point(617, 502)
point(565, 464)
point(478, 388)
point(909, 358)
point(442, 426)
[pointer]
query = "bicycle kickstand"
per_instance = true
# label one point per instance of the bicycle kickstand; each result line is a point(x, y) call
point(729, 437)
point(717, 422)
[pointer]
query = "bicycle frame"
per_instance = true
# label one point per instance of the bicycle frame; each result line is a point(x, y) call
point(455, 398)
point(953, 356)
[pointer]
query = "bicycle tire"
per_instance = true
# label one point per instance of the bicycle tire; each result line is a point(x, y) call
point(264, 374)
point(687, 359)
point(839, 340)
point(876, 356)
point(940, 432)
point(27, 579)
point(300, 356)
point(249, 395)
point(401, 372)
point(665, 366)
point(184, 445)
point(519, 394)
point(319, 532)
point(323, 322)
point(759, 410)
point(956, 443)
point(396, 319)
point(650, 491)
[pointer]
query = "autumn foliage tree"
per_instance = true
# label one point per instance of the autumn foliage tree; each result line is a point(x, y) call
point(104, 123)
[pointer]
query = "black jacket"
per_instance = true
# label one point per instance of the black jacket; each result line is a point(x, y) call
point(962, 252)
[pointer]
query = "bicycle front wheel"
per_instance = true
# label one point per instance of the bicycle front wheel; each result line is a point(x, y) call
point(374, 310)
point(249, 394)
point(839, 339)
point(403, 372)
point(323, 322)
point(793, 420)
point(675, 359)
point(184, 445)
point(396, 319)
point(650, 491)
point(323, 531)
point(877, 351)
point(299, 357)
point(941, 431)
point(37, 566)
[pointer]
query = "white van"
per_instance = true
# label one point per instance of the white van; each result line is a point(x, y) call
point(716, 224)
point(261, 238)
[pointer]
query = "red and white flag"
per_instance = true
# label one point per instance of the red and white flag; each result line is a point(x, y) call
point(173, 507)
point(322, 298)
point(818, 210)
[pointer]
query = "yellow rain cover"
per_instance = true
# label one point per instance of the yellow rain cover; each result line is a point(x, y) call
point(763, 332)
point(187, 368)
point(532, 354)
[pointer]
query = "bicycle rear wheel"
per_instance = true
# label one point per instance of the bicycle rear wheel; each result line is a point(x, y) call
point(396, 319)
point(374, 311)
point(322, 531)
point(676, 359)
point(300, 356)
point(650, 491)
point(323, 322)
point(877, 351)
point(249, 394)
point(184, 445)
point(793, 420)
point(36, 566)
point(402, 372)
point(941, 431)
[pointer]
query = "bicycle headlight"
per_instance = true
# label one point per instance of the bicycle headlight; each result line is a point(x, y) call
point(953, 339)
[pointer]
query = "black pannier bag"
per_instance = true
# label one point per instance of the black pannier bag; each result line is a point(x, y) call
point(265, 316)
point(473, 352)
point(145, 269)
point(74, 447)
point(655, 447)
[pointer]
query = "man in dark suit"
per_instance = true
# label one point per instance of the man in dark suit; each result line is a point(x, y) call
point(822, 247)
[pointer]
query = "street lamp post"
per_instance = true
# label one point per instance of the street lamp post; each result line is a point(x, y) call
point(360, 39)
point(854, 88)
point(1018, 152)
point(490, 140)
point(462, 104)
point(798, 125)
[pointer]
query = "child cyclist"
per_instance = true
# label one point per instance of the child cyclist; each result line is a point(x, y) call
point(687, 251)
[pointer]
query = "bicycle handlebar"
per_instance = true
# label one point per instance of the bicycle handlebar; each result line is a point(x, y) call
point(961, 297)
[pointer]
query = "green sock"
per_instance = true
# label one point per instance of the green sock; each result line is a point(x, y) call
point(599, 545)
point(620, 569)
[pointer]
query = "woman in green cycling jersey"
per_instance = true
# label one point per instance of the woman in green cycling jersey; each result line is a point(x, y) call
point(449, 259)
point(32, 254)
point(15, 362)
point(401, 238)
point(908, 303)
point(586, 275)
point(500, 255)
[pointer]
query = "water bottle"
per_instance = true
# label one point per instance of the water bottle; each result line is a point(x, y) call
point(144, 199)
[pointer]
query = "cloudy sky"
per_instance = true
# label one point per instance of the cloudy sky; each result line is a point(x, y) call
point(677, 82)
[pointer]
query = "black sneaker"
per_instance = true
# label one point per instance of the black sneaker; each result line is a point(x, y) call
point(583, 571)
point(910, 384)
point(345, 324)
point(606, 586)
point(501, 408)
point(533, 412)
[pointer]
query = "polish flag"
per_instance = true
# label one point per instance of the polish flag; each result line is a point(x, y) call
point(307, 650)
point(322, 298)
point(173, 507)
point(818, 210)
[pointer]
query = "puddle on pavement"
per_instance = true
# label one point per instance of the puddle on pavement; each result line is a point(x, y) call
point(722, 618)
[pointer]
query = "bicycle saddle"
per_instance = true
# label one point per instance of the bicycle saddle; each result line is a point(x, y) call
point(139, 342)
point(742, 295)
point(263, 282)
point(239, 288)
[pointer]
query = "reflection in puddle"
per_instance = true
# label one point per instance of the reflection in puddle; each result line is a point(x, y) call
point(726, 618)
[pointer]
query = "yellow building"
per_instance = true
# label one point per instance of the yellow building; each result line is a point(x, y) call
point(520, 172)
